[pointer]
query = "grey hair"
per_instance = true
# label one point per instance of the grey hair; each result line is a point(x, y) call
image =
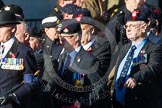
point(25, 27)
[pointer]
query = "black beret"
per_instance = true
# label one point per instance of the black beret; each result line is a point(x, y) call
point(82, 12)
point(70, 8)
point(36, 32)
point(140, 14)
point(69, 26)
point(83, 16)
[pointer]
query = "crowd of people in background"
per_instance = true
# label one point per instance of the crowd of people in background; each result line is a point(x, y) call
point(82, 56)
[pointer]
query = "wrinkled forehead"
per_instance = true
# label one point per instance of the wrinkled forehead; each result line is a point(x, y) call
point(85, 25)
point(134, 22)
point(136, 0)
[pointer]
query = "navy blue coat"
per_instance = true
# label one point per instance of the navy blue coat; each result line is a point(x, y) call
point(10, 78)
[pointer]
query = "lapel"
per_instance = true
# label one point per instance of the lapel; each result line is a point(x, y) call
point(144, 48)
point(121, 55)
point(95, 44)
point(98, 41)
point(123, 52)
point(79, 56)
point(13, 49)
point(79, 62)
point(47, 46)
point(142, 56)
point(141, 59)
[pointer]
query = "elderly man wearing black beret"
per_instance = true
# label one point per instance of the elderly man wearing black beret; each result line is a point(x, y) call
point(138, 68)
point(17, 65)
point(74, 76)
point(97, 45)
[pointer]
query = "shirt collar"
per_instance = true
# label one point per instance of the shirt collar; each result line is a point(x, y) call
point(8, 43)
point(88, 44)
point(140, 43)
point(73, 53)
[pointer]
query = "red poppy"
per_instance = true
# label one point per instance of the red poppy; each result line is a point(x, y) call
point(134, 14)
point(73, 106)
point(89, 49)
point(156, 11)
point(78, 17)
point(12, 55)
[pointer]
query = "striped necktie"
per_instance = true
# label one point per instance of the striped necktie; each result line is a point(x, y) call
point(125, 69)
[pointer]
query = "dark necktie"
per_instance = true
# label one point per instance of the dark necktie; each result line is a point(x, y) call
point(125, 69)
point(68, 61)
point(2, 49)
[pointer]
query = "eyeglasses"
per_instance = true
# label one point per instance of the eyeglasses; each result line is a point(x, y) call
point(131, 26)
point(66, 36)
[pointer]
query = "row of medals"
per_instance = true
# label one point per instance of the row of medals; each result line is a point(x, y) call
point(11, 63)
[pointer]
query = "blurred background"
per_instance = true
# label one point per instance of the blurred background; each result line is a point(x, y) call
point(36, 10)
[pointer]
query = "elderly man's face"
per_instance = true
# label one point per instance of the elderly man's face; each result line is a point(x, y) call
point(68, 41)
point(135, 30)
point(6, 32)
point(86, 33)
point(20, 33)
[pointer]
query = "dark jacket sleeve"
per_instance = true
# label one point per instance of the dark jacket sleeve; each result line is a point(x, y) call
point(30, 68)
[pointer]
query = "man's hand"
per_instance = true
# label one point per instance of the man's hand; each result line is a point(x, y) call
point(9, 99)
point(130, 83)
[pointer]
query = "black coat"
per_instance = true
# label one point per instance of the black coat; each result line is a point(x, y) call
point(116, 26)
point(102, 51)
point(147, 75)
point(51, 52)
point(11, 78)
point(155, 39)
point(84, 63)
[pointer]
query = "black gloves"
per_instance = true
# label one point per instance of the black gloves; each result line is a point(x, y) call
point(9, 99)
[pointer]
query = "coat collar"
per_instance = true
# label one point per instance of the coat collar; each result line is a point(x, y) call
point(13, 49)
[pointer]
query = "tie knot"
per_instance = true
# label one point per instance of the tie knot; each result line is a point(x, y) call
point(2, 49)
point(2, 46)
point(133, 47)
point(132, 50)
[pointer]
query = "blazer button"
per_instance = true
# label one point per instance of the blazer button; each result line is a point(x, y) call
point(135, 98)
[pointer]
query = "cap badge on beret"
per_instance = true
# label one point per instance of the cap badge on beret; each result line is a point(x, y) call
point(59, 27)
point(78, 17)
point(134, 14)
point(66, 30)
point(7, 8)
